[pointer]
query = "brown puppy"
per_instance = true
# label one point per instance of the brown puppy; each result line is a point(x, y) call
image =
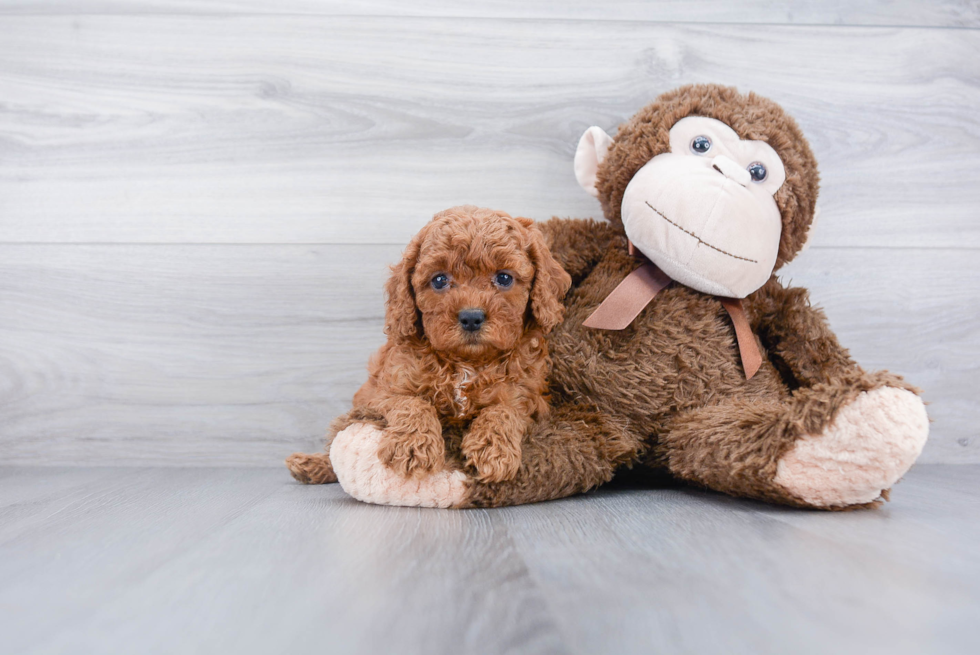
point(468, 308)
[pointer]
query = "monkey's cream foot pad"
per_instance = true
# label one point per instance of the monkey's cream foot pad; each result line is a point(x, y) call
point(870, 445)
point(354, 455)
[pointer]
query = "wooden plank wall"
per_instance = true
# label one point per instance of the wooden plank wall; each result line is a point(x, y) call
point(198, 200)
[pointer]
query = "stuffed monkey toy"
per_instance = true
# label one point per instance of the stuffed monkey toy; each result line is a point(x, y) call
point(680, 350)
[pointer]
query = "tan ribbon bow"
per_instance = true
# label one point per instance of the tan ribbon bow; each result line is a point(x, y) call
point(641, 286)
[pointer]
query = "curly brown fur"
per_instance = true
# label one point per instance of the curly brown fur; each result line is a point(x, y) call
point(432, 373)
point(311, 469)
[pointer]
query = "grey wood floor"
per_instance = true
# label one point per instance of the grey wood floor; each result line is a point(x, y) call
point(205, 560)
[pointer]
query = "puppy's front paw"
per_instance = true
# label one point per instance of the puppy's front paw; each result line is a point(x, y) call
point(495, 457)
point(412, 454)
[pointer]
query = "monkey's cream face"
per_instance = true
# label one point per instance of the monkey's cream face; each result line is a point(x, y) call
point(704, 212)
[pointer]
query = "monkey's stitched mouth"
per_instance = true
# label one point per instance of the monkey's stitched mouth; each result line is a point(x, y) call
point(700, 240)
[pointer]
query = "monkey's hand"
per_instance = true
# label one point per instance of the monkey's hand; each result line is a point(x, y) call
point(579, 244)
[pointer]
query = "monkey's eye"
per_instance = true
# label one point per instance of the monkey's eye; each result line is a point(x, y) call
point(440, 281)
point(757, 171)
point(503, 280)
point(700, 145)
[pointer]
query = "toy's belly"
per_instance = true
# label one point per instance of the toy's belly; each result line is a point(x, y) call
point(679, 353)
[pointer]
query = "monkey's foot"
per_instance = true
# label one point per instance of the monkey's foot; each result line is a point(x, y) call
point(870, 444)
point(354, 454)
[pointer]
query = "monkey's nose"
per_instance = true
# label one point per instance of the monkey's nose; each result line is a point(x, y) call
point(730, 169)
point(471, 320)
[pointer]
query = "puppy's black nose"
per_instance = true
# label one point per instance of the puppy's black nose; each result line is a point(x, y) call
point(471, 319)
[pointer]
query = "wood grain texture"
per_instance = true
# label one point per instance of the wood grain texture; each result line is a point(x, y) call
point(187, 354)
point(297, 129)
point(178, 560)
point(248, 561)
point(239, 355)
point(937, 13)
point(314, 138)
point(711, 574)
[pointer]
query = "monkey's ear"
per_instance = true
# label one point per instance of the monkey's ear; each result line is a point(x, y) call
point(592, 149)
point(401, 315)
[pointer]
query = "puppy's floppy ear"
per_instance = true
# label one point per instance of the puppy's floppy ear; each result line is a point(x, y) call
point(551, 282)
point(402, 317)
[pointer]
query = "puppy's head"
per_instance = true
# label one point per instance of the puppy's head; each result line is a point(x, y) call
point(473, 281)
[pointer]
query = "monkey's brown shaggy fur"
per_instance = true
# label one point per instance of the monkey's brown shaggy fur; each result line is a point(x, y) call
point(670, 389)
point(485, 387)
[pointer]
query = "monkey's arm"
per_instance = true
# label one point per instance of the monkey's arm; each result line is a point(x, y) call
point(797, 335)
point(579, 243)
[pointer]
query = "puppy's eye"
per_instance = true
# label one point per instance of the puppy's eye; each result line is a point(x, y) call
point(440, 281)
point(503, 280)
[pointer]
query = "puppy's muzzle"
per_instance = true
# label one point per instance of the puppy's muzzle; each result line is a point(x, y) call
point(471, 320)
